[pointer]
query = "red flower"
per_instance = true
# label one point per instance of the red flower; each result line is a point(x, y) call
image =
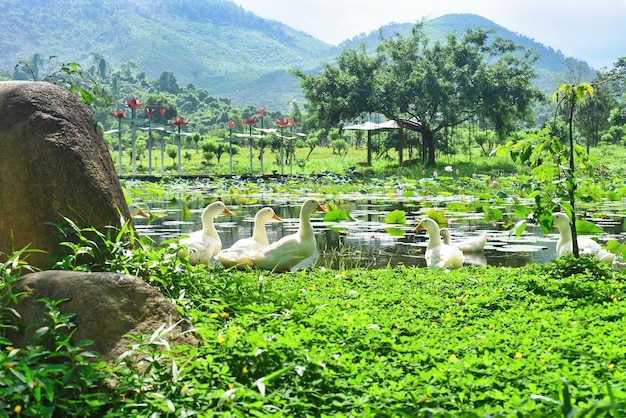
point(231, 124)
point(119, 114)
point(262, 111)
point(149, 111)
point(250, 121)
point(134, 104)
point(179, 122)
point(281, 123)
point(292, 122)
point(162, 111)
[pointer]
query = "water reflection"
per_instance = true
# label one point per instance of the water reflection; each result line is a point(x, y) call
point(366, 242)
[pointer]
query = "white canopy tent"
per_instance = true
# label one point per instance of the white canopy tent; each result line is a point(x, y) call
point(372, 127)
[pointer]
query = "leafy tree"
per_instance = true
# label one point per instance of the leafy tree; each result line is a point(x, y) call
point(428, 88)
point(209, 149)
point(196, 139)
point(593, 115)
point(68, 75)
point(167, 83)
point(311, 143)
point(339, 146)
point(172, 152)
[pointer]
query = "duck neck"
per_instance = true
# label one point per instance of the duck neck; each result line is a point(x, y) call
point(434, 241)
point(259, 234)
point(566, 232)
point(306, 228)
point(208, 228)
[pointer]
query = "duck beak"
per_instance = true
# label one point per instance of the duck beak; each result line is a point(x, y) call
point(142, 213)
point(321, 208)
point(228, 212)
point(278, 218)
point(419, 227)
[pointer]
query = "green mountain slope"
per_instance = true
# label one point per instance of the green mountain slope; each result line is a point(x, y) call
point(213, 44)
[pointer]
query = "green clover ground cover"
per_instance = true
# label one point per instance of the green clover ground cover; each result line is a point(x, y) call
point(405, 341)
point(543, 340)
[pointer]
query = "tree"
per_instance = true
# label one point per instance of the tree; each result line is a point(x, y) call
point(167, 83)
point(428, 88)
point(209, 149)
point(67, 75)
point(172, 152)
point(196, 139)
point(311, 143)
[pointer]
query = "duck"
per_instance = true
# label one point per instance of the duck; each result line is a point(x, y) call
point(238, 255)
point(204, 244)
point(586, 245)
point(135, 210)
point(287, 252)
point(439, 254)
point(470, 245)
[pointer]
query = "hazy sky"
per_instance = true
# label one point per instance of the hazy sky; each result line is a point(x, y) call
point(591, 30)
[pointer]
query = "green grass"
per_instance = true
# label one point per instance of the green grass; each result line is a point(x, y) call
point(321, 160)
point(544, 340)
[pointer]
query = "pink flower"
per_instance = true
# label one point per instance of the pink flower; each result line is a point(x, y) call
point(282, 123)
point(435, 174)
point(231, 124)
point(474, 175)
point(119, 114)
point(134, 104)
point(423, 172)
point(515, 175)
point(448, 168)
point(262, 111)
point(179, 122)
point(250, 121)
point(494, 184)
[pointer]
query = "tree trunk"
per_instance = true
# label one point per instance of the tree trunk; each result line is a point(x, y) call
point(369, 148)
point(429, 142)
point(400, 145)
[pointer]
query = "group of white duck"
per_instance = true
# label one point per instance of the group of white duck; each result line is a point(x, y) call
point(441, 253)
point(204, 245)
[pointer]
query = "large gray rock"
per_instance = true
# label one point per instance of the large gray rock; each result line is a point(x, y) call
point(53, 163)
point(107, 306)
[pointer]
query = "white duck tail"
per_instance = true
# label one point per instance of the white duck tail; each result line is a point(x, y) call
point(470, 245)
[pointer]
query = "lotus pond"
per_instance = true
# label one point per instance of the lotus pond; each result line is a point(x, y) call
point(370, 226)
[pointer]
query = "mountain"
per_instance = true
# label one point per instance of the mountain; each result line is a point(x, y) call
point(213, 44)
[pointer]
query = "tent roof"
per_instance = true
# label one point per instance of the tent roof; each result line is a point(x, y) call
point(371, 126)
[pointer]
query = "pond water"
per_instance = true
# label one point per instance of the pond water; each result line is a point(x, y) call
point(367, 241)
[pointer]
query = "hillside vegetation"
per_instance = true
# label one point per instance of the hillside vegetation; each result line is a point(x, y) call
point(214, 44)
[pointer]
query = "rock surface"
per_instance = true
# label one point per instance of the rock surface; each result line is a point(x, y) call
point(53, 163)
point(107, 306)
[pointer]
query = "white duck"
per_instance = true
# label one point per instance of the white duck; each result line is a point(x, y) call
point(470, 245)
point(288, 251)
point(437, 253)
point(240, 253)
point(135, 210)
point(202, 245)
point(586, 246)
